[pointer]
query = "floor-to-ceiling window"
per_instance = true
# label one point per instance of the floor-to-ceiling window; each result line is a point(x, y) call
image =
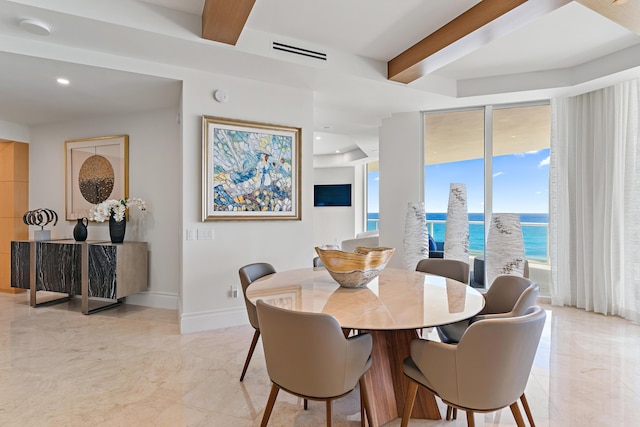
point(373, 192)
point(501, 154)
point(454, 152)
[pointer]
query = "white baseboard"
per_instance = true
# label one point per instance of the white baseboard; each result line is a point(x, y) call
point(209, 320)
point(154, 299)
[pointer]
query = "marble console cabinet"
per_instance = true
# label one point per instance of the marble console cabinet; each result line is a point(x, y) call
point(91, 269)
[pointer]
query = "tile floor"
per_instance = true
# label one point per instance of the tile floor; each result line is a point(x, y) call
point(129, 366)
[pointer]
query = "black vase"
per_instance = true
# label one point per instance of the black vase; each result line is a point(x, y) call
point(117, 229)
point(80, 230)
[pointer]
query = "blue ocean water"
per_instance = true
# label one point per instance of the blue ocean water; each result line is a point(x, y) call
point(534, 231)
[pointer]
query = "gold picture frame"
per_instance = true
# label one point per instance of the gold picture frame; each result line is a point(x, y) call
point(96, 169)
point(250, 170)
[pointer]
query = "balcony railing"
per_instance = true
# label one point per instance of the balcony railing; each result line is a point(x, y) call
point(535, 234)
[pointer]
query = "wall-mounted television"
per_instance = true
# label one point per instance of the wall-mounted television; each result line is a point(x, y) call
point(332, 195)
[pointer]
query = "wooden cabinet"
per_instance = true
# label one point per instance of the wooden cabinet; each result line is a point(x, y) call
point(14, 202)
point(91, 269)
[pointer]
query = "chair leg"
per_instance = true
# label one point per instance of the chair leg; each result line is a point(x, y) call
point(448, 417)
point(454, 414)
point(254, 341)
point(515, 410)
point(470, 420)
point(410, 397)
point(366, 404)
point(527, 411)
point(270, 402)
point(329, 416)
point(306, 404)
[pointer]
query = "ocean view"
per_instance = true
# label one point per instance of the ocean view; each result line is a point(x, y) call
point(534, 231)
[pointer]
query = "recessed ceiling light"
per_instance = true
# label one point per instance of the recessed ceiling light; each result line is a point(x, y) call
point(317, 138)
point(337, 151)
point(35, 27)
point(62, 81)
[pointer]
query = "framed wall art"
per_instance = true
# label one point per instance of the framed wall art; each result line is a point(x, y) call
point(250, 171)
point(96, 169)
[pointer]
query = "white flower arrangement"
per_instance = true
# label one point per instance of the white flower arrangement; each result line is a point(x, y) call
point(102, 211)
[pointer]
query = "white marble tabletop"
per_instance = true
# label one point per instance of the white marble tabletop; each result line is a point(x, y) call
point(396, 300)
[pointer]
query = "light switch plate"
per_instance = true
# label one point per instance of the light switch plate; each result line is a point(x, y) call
point(205, 234)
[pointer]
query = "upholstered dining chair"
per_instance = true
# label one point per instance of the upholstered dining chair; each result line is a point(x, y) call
point(527, 299)
point(451, 268)
point(486, 371)
point(248, 274)
point(308, 356)
point(500, 298)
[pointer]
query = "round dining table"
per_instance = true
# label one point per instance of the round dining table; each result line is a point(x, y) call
point(392, 308)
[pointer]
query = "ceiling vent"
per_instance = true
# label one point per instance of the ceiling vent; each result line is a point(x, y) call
point(299, 51)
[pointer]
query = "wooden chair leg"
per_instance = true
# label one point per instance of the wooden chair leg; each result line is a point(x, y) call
point(448, 417)
point(305, 404)
point(515, 410)
point(254, 341)
point(527, 410)
point(454, 413)
point(366, 404)
point(270, 402)
point(470, 420)
point(329, 416)
point(410, 397)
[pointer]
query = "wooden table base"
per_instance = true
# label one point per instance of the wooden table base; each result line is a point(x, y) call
point(386, 383)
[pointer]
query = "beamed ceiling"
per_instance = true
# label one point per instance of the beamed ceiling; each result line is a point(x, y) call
point(380, 57)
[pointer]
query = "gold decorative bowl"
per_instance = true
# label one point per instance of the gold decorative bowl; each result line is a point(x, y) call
point(355, 269)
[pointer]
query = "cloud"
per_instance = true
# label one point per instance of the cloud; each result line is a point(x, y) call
point(498, 174)
point(544, 162)
point(525, 153)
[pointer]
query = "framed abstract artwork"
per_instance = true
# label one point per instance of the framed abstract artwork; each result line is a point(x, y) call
point(96, 169)
point(250, 171)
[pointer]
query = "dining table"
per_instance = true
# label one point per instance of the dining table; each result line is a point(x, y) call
point(393, 307)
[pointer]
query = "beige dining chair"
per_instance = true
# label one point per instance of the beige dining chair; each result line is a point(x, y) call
point(486, 371)
point(526, 300)
point(500, 298)
point(308, 356)
point(248, 274)
point(451, 268)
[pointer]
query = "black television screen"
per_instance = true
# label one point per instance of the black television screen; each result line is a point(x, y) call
point(332, 195)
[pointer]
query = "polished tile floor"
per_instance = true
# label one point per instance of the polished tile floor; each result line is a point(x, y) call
point(129, 366)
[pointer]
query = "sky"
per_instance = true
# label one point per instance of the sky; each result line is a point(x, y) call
point(520, 184)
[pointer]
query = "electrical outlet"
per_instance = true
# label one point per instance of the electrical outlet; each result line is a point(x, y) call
point(191, 235)
point(234, 291)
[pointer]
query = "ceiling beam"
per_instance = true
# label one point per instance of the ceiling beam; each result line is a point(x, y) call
point(622, 13)
point(223, 20)
point(477, 27)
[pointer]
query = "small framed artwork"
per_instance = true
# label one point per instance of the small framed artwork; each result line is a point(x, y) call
point(250, 171)
point(96, 169)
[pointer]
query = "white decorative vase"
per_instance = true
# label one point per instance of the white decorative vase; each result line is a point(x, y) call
point(416, 240)
point(456, 237)
point(505, 247)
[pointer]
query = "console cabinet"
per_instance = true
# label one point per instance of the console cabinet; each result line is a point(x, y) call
point(91, 269)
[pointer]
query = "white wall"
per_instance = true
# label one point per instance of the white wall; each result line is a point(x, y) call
point(204, 270)
point(333, 224)
point(13, 132)
point(210, 268)
point(154, 176)
point(401, 177)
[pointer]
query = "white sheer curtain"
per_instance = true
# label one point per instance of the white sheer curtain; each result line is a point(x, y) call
point(594, 207)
